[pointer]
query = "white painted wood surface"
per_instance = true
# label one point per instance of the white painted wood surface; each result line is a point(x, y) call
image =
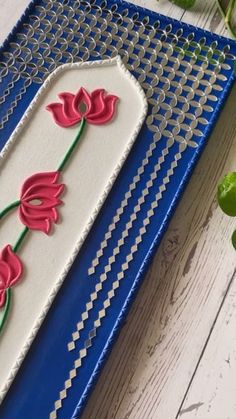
point(212, 393)
point(176, 355)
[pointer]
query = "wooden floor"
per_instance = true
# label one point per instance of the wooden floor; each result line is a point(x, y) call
point(176, 355)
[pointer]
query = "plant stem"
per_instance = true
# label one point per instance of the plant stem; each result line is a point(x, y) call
point(230, 11)
point(9, 208)
point(4, 312)
point(20, 239)
point(227, 17)
point(72, 147)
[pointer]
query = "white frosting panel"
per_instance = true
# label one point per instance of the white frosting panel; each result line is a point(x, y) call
point(37, 145)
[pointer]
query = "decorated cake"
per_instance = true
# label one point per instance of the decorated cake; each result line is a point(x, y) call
point(81, 214)
point(60, 163)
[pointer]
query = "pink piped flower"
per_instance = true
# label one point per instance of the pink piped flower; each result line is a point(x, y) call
point(39, 200)
point(11, 270)
point(96, 108)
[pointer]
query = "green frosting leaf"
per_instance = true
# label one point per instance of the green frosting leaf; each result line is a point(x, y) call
point(227, 194)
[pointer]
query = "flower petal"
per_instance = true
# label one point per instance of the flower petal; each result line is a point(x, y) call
point(45, 204)
point(14, 264)
point(59, 117)
point(32, 212)
point(5, 274)
point(108, 112)
point(39, 178)
point(42, 191)
point(82, 97)
point(98, 103)
point(67, 99)
point(43, 225)
point(44, 188)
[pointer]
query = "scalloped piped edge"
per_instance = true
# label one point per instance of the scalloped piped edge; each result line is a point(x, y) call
point(10, 144)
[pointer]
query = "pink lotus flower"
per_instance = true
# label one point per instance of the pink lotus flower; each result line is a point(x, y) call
point(97, 108)
point(39, 199)
point(11, 270)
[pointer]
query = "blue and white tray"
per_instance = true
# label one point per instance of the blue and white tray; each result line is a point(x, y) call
point(186, 74)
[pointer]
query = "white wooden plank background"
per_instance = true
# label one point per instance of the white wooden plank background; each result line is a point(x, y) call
point(212, 393)
point(176, 355)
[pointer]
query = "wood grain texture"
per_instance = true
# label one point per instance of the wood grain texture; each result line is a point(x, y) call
point(212, 394)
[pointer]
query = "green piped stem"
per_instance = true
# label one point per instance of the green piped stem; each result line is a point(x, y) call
point(5, 311)
point(20, 239)
point(9, 208)
point(72, 147)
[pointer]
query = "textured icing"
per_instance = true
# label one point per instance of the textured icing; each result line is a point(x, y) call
point(39, 199)
point(11, 270)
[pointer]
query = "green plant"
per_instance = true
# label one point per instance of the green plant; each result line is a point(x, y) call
point(227, 198)
point(226, 14)
point(185, 4)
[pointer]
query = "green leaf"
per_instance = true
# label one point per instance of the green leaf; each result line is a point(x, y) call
point(227, 194)
point(185, 4)
point(234, 239)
